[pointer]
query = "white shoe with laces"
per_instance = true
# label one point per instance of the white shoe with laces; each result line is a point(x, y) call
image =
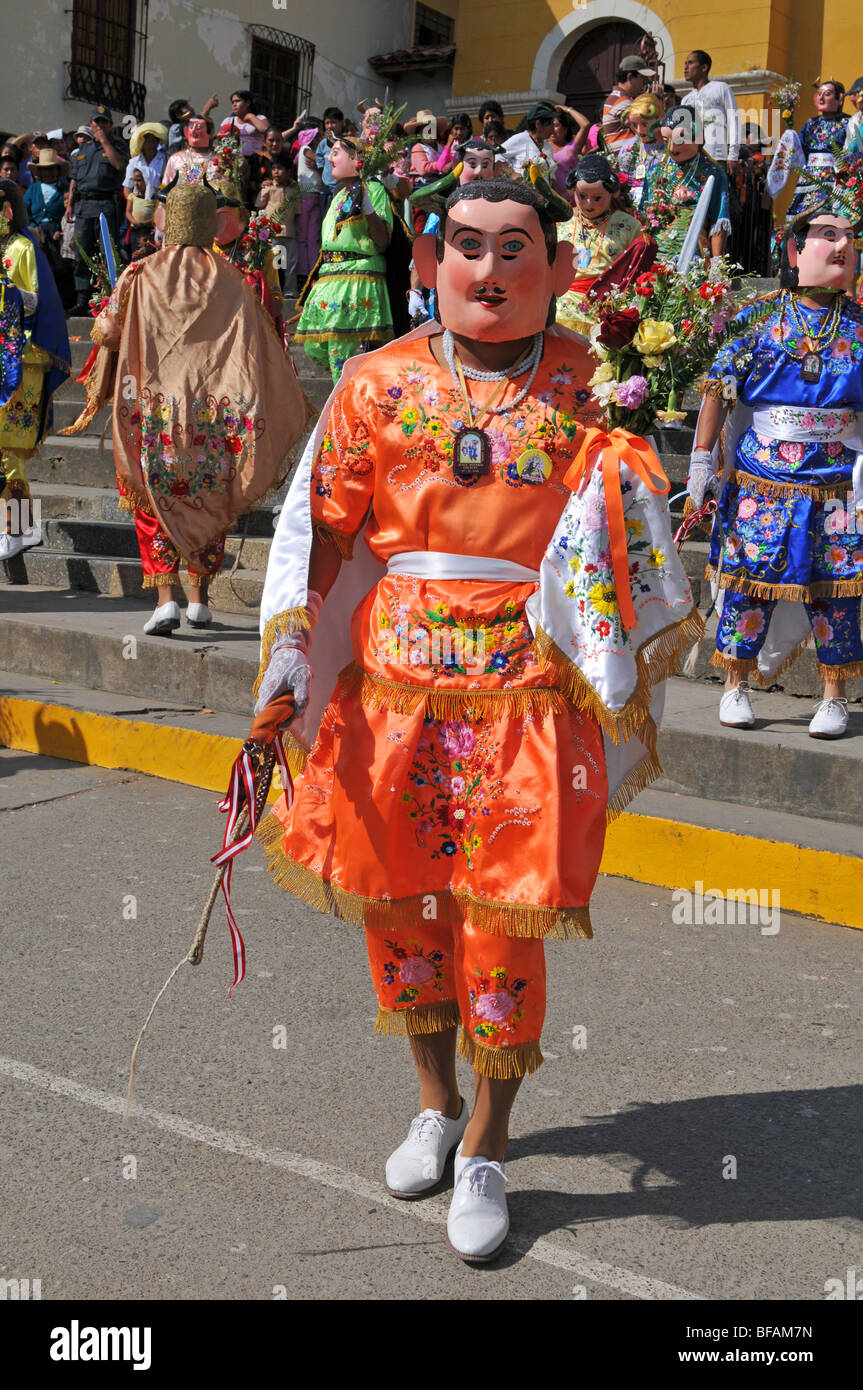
point(417, 1165)
point(164, 620)
point(735, 711)
point(830, 719)
point(478, 1221)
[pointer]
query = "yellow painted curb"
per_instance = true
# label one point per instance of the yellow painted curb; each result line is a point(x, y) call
point(672, 854)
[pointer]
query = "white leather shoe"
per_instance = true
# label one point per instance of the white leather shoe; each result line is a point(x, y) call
point(13, 545)
point(478, 1221)
point(417, 1165)
point(164, 621)
point(735, 711)
point(198, 615)
point(830, 719)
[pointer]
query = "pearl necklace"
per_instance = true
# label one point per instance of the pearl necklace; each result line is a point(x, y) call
point(530, 365)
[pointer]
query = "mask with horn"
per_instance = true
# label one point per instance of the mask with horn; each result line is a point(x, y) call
point(190, 214)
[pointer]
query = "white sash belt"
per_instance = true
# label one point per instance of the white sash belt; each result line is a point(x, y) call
point(808, 424)
point(437, 564)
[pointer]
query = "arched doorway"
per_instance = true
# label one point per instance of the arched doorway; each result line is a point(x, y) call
point(588, 71)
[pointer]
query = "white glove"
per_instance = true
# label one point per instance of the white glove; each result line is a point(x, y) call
point(288, 669)
point(29, 300)
point(368, 205)
point(702, 476)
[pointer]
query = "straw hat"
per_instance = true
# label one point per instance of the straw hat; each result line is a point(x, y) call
point(48, 159)
point(149, 128)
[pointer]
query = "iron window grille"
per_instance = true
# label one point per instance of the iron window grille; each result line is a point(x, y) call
point(280, 73)
point(432, 28)
point(109, 54)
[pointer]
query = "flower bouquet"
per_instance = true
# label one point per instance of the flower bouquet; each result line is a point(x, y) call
point(651, 350)
point(257, 240)
point(228, 161)
point(785, 99)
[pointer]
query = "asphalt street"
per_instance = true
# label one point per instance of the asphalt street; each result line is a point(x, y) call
point(704, 1143)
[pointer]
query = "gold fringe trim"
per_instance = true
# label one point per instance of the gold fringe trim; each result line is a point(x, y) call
point(162, 581)
point(641, 777)
point(801, 593)
point(344, 543)
point(840, 673)
point(500, 1063)
point(290, 620)
point(656, 660)
point(423, 1018)
point(713, 387)
point(126, 504)
point(399, 697)
point(338, 274)
point(743, 665)
point(131, 500)
point(767, 487)
point(362, 335)
point(501, 919)
point(764, 681)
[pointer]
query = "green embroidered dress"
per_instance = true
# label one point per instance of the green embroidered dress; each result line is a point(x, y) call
point(348, 303)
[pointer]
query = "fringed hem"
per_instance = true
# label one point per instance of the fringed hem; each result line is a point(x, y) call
point(162, 581)
point(364, 335)
point(656, 660)
point(713, 386)
point(501, 919)
point(769, 487)
point(500, 1063)
point(133, 501)
point(290, 620)
point(344, 543)
point(399, 697)
point(840, 673)
point(641, 777)
point(800, 593)
point(126, 504)
point(741, 665)
point(423, 1018)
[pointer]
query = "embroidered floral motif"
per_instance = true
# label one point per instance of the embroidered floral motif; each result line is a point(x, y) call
point(497, 1002)
point(446, 645)
point(184, 458)
point(453, 785)
point(414, 970)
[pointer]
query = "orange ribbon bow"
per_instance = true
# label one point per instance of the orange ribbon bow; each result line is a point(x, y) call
point(618, 447)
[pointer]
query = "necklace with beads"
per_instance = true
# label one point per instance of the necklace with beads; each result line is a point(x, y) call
point(811, 342)
point(471, 453)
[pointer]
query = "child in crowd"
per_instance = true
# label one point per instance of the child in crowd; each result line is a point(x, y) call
point(279, 199)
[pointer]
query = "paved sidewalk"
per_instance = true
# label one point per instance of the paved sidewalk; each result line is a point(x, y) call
point(260, 1168)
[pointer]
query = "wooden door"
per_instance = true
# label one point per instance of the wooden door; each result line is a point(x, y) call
point(588, 71)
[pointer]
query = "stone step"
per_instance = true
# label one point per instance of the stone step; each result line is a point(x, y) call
point(116, 540)
point(775, 765)
point(65, 502)
point(120, 576)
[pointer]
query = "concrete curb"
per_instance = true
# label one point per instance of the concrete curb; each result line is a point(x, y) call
point(644, 848)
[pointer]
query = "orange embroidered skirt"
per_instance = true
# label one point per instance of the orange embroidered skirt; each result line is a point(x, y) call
point(425, 801)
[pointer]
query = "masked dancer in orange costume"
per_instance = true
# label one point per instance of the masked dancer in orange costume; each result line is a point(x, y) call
point(438, 806)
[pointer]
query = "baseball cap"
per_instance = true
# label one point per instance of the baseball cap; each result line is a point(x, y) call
point(84, 130)
point(856, 86)
point(101, 113)
point(635, 63)
point(542, 111)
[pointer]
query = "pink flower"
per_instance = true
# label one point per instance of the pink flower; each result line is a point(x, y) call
point(633, 392)
point(808, 421)
point(431, 398)
point(750, 551)
point(836, 555)
point(791, 450)
point(457, 738)
point(823, 631)
point(594, 513)
point(834, 521)
point(495, 1007)
point(415, 971)
point(457, 785)
point(500, 446)
point(751, 622)
point(747, 508)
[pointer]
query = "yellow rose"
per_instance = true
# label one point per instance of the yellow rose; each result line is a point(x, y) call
point(649, 361)
point(671, 417)
point(604, 372)
point(653, 337)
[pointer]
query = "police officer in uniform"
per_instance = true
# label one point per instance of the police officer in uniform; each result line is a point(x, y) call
point(97, 169)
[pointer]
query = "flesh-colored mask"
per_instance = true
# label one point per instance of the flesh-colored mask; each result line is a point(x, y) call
point(827, 259)
point(825, 99)
point(230, 224)
point(342, 163)
point(494, 283)
point(478, 164)
point(593, 200)
point(681, 151)
point(197, 135)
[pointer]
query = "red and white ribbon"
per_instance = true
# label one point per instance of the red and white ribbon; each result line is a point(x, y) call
point(241, 790)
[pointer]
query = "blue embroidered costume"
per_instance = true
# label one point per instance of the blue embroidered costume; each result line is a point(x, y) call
point(679, 186)
point(812, 151)
point(791, 530)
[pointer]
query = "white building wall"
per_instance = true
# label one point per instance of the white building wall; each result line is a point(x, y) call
point(195, 49)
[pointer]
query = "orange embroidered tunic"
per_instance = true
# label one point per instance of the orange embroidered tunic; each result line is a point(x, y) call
point(449, 766)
